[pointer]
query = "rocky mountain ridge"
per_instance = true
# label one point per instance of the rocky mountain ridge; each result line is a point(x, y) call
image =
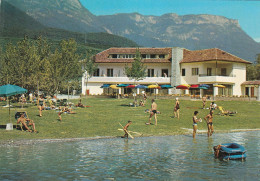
point(169, 30)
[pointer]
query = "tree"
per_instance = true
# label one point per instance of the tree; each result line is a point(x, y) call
point(253, 70)
point(137, 71)
point(89, 66)
point(64, 65)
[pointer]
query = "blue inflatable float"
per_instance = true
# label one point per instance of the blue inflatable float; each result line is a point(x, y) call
point(230, 151)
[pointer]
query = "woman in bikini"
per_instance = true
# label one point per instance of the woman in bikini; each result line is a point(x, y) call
point(195, 121)
point(177, 109)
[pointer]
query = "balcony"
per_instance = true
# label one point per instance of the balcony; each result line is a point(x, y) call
point(203, 78)
point(126, 80)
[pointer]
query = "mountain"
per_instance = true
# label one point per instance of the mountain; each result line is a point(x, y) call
point(169, 30)
point(190, 31)
point(16, 24)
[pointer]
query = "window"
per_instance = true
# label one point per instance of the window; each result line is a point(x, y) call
point(182, 72)
point(146, 56)
point(110, 72)
point(209, 71)
point(195, 71)
point(128, 56)
point(153, 56)
point(96, 73)
point(114, 55)
point(150, 73)
point(161, 56)
point(223, 71)
point(164, 72)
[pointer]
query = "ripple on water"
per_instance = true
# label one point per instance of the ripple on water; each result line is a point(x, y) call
point(146, 158)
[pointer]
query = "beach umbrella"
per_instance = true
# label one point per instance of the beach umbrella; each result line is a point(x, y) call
point(194, 86)
point(204, 85)
point(130, 86)
point(122, 85)
point(11, 90)
point(105, 86)
point(114, 87)
point(203, 88)
point(183, 86)
point(220, 86)
point(166, 86)
point(153, 86)
point(141, 86)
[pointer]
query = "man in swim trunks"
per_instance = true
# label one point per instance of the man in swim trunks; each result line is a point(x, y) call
point(153, 111)
point(26, 123)
point(209, 119)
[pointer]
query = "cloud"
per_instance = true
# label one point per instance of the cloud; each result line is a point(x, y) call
point(257, 39)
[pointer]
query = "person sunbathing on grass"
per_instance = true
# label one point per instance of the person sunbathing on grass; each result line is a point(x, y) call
point(80, 104)
point(67, 110)
point(26, 123)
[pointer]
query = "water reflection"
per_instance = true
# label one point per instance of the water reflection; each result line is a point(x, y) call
point(152, 158)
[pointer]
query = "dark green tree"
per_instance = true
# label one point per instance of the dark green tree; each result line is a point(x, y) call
point(89, 66)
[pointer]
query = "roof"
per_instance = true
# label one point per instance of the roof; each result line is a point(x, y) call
point(103, 57)
point(255, 82)
point(189, 56)
point(210, 55)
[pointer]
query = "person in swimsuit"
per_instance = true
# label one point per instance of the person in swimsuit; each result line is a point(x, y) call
point(26, 123)
point(204, 102)
point(209, 119)
point(153, 111)
point(125, 129)
point(195, 121)
point(177, 109)
point(145, 97)
point(41, 105)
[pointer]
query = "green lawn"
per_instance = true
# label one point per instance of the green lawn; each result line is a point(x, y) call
point(104, 115)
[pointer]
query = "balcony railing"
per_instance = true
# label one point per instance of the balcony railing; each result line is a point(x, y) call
point(148, 80)
point(204, 78)
point(206, 75)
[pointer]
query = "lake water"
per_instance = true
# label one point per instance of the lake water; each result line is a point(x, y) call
point(145, 158)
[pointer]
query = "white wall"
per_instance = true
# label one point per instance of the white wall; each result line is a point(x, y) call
point(239, 71)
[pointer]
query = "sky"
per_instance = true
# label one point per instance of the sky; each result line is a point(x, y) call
point(247, 12)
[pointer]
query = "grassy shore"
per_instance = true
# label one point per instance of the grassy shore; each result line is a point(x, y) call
point(104, 116)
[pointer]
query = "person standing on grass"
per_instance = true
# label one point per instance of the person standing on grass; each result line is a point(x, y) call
point(153, 111)
point(177, 108)
point(195, 121)
point(204, 102)
point(209, 119)
point(126, 129)
point(40, 104)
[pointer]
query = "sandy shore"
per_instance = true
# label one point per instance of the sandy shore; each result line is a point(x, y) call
point(7, 143)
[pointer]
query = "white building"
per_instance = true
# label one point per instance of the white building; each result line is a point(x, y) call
point(171, 66)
